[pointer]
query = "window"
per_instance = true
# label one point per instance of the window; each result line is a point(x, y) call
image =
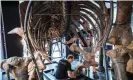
point(56, 50)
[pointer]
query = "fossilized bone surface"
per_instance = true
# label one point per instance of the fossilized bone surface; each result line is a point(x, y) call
point(18, 30)
point(88, 57)
point(129, 63)
point(53, 32)
point(121, 33)
point(31, 67)
point(40, 57)
point(119, 57)
point(129, 66)
point(17, 66)
point(21, 67)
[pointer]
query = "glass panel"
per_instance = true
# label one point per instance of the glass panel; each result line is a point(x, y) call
point(56, 49)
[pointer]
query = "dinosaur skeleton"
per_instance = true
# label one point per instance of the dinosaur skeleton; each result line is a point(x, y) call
point(46, 22)
point(119, 58)
point(50, 20)
point(40, 56)
point(121, 33)
point(17, 66)
point(88, 57)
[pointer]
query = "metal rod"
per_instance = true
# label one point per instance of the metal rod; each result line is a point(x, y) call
point(25, 30)
point(61, 47)
point(50, 49)
point(3, 36)
point(104, 44)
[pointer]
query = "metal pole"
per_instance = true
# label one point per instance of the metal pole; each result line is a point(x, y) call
point(1, 42)
point(3, 50)
point(104, 44)
point(105, 62)
point(101, 67)
point(50, 52)
point(25, 30)
point(1, 47)
point(3, 36)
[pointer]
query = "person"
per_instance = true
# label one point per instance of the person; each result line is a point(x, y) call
point(64, 70)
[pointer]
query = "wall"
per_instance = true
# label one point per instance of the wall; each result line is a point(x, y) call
point(11, 20)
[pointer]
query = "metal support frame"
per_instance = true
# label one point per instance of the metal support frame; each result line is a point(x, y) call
point(3, 36)
point(1, 40)
point(101, 58)
point(104, 44)
point(56, 45)
point(3, 50)
point(59, 48)
point(50, 50)
point(1, 47)
point(25, 30)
